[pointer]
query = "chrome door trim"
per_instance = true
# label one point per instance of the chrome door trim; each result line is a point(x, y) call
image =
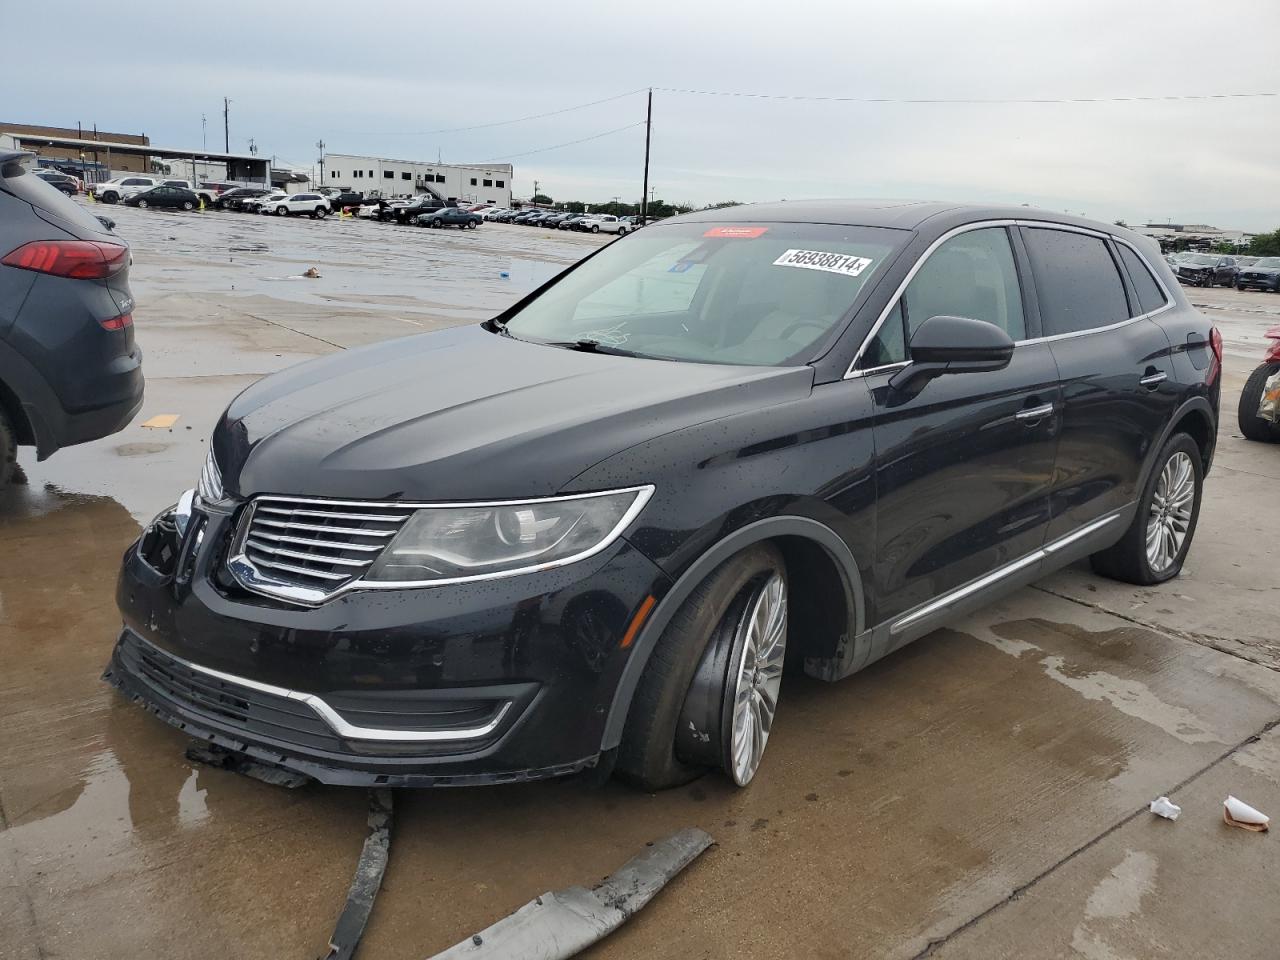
point(1169, 304)
point(1000, 573)
point(348, 731)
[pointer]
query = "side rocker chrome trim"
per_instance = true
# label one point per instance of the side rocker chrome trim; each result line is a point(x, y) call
point(341, 727)
point(1000, 573)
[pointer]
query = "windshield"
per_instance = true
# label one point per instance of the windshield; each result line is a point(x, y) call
point(1268, 262)
point(738, 294)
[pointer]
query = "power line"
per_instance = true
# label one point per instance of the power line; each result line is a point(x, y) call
point(499, 123)
point(966, 100)
point(570, 143)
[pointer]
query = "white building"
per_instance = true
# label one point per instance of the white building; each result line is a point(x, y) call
point(465, 183)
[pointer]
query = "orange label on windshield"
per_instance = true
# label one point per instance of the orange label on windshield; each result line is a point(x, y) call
point(736, 233)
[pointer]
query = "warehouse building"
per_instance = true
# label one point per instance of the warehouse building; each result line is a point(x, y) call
point(59, 144)
point(464, 183)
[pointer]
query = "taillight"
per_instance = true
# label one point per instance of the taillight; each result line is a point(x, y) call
point(1215, 345)
point(117, 323)
point(75, 259)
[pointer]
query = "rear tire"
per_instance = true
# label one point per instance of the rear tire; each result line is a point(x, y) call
point(647, 756)
point(8, 451)
point(1130, 559)
point(1251, 425)
point(318, 213)
point(188, 205)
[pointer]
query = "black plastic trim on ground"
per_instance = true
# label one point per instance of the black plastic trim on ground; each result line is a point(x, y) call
point(367, 881)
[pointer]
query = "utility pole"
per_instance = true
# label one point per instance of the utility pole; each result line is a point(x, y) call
point(320, 146)
point(226, 126)
point(648, 127)
point(535, 191)
point(204, 133)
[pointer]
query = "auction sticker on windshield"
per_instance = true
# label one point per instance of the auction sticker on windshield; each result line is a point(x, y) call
point(736, 233)
point(842, 263)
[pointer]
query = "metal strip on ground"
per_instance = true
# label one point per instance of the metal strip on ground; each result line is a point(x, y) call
point(558, 925)
point(364, 885)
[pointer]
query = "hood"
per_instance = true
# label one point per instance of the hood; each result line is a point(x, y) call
point(1270, 271)
point(465, 414)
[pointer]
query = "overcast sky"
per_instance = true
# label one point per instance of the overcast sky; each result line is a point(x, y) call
point(377, 77)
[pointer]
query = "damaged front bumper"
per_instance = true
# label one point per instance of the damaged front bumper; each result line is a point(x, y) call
point(444, 686)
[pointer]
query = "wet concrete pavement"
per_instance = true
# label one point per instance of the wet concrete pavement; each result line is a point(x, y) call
point(979, 794)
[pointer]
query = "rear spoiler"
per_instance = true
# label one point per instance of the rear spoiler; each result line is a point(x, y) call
point(11, 162)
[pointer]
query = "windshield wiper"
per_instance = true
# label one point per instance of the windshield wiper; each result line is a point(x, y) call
point(592, 346)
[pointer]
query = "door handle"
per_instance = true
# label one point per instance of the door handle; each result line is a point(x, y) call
point(1033, 415)
point(1153, 380)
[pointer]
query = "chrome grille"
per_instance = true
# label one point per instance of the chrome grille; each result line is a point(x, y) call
point(304, 549)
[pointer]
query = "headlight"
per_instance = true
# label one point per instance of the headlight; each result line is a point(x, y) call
point(492, 539)
point(210, 486)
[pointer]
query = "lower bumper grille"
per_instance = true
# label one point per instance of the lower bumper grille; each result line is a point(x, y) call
point(254, 712)
point(382, 724)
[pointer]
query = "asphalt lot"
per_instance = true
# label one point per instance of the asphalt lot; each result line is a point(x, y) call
point(981, 793)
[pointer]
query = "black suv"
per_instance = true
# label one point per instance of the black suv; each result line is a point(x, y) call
point(69, 368)
point(592, 530)
point(1263, 273)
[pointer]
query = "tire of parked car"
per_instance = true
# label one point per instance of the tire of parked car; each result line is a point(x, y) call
point(8, 450)
point(109, 197)
point(318, 213)
point(282, 211)
point(471, 225)
point(693, 674)
point(595, 228)
point(436, 222)
point(143, 204)
point(1251, 425)
point(1153, 548)
point(188, 205)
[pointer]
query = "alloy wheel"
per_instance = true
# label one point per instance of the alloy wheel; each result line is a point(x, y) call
point(762, 637)
point(1170, 518)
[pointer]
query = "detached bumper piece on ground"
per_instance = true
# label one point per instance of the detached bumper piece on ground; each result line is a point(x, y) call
point(559, 925)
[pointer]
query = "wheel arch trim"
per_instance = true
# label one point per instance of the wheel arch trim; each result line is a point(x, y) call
point(757, 532)
point(1196, 405)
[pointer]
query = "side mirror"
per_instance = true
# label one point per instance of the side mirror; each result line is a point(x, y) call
point(946, 344)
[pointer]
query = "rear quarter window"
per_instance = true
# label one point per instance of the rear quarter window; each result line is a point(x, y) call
point(1077, 282)
point(1150, 296)
point(17, 181)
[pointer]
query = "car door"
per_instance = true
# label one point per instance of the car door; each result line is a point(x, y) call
point(1114, 362)
point(964, 464)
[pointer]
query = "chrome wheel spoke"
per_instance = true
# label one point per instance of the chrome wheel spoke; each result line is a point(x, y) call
point(1169, 518)
point(763, 639)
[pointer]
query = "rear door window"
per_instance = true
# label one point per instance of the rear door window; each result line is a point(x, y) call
point(1077, 282)
point(1150, 296)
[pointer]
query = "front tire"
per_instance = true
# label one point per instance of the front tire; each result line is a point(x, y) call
point(1154, 547)
point(143, 204)
point(188, 205)
point(110, 197)
point(282, 211)
point(1251, 425)
point(595, 228)
point(687, 714)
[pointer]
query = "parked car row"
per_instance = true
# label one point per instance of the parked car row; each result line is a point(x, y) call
point(1214, 269)
point(563, 220)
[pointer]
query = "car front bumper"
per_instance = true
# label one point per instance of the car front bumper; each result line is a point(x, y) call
point(496, 681)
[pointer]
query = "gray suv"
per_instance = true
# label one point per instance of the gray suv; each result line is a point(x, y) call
point(69, 368)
